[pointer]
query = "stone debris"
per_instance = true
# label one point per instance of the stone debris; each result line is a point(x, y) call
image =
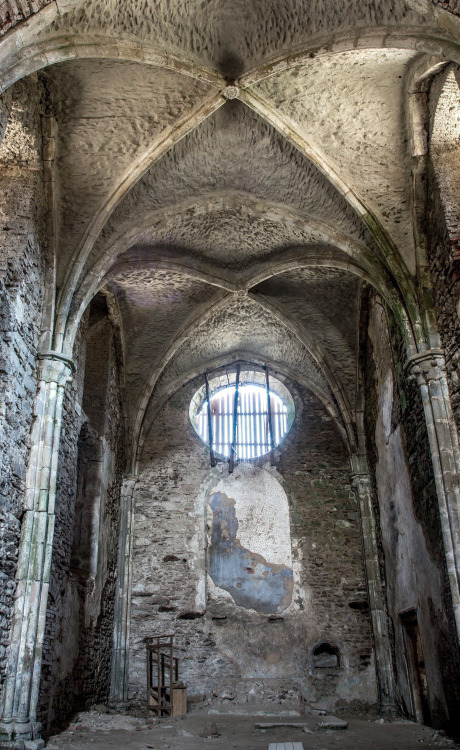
point(274, 724)
point(332, 722)
point(101, 709)
point(210, 731)
point(95, 721)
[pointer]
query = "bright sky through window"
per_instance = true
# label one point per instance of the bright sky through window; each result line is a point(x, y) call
point(253, 433)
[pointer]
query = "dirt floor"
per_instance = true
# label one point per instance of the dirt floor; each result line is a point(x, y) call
point(236, 728)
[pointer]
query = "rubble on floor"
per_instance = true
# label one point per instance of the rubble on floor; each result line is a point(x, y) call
point(250, 730)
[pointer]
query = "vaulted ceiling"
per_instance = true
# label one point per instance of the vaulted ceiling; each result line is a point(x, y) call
point(232, 173)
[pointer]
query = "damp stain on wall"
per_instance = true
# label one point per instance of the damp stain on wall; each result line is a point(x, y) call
point(251, 580)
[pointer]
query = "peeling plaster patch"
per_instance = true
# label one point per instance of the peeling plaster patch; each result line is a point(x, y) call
point(261, 504)
point(250, 553)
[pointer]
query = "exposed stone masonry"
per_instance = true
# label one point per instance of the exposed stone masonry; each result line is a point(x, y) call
point(13, 12)
point(21, 296)
point(395, 419)
point(80, 609)
point(444, 254)
point(186, 185)
point(453, 6)
point(227, 650)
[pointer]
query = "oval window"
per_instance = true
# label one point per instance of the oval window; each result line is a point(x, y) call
point(253, 432)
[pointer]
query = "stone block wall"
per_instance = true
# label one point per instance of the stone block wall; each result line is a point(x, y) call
point(414, 562)
point(231, 652)
point(79, 630)
point(22, 269)
point(12, 12)
point(444, 257)
point(453, 6)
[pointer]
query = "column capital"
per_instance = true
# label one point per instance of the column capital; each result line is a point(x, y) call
point(426, 366)
point(55, 367)
point(361, 482)
point(128, 484)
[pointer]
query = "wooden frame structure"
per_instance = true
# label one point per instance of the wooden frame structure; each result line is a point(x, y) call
point(166, 694)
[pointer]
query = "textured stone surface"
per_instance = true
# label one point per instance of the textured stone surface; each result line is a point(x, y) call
point(229, 651)
point(21, 295)
point(12, 12)
point(230, 36)
point(409, 521)
point(301, 295)
point(444, 227)
point(234, 150)
point(240, 326)
point(317, 95)
point(453, 6)
point(108, 115)
point(221, 229)
point(77, 654)
point(155, 306)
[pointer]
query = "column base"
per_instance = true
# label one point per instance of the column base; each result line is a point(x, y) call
point(390, 712)
point(18, 735)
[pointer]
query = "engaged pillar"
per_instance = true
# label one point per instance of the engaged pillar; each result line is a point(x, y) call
point(361, 483)
point(18, 719)
point(429, 369)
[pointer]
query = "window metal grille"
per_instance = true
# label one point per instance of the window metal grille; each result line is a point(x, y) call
point(252, 431)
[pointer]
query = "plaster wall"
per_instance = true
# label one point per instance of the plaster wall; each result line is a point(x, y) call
point(300, 517)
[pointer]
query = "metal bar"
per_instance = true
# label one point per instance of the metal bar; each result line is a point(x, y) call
point(251, 424)
point(270, 426)
point(159, 693)
point(171, 670)
point(241, 434)
point(211, 449)
point(227, 425)
point(231, 462)
point(149, 674)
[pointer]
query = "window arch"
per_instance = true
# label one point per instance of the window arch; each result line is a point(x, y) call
point(264, 412)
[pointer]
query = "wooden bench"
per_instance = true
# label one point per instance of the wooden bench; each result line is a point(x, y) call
point(285, 746)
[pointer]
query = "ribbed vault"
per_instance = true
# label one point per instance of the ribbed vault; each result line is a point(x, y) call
point(232, 174)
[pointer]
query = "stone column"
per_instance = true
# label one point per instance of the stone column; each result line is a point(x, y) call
point(362, 486)
point(18, 720)
point(429, 370)
point(122, 612)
